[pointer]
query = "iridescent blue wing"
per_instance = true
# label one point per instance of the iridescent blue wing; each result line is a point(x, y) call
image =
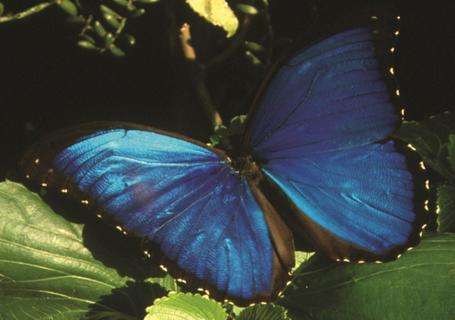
point(182, 196)
point(319, 135)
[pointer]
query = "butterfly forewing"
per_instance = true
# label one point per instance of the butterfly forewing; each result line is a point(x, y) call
point(182, 196)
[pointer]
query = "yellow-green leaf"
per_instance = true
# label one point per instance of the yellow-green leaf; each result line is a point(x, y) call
point(216, 12)
point(247, 9)
point(52, 268)
point(99, 29)
point(68, 6)
point(116, 51)
point(86, 44)
point(185, 306)
point(301, 257)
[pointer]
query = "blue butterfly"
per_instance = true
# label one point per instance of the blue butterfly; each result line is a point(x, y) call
point(314, 159)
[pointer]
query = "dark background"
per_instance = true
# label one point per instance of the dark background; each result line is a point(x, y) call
point(47, 82)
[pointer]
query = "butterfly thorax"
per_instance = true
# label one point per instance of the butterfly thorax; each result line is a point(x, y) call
point(245, 165)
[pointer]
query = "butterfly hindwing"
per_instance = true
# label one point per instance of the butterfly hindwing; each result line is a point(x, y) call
point(182, 196)
point(319, 133)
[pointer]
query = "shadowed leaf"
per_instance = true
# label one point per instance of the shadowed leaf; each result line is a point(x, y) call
point(451, 152)
point(264, 312)
point(446, 204)
point(419, 285)
point(430, 138)
point(68, 6)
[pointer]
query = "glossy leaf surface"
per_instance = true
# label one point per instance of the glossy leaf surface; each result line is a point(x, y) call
point(419, 285)
point(46, 269)
point(185, 306)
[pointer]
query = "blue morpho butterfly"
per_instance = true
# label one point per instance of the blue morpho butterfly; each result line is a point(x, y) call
point(314, 159)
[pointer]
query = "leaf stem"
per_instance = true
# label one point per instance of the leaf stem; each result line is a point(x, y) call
point(198, 77)
point(235, 43)
point(27, 12)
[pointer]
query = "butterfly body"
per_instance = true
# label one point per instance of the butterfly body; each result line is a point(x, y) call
point(314, 163)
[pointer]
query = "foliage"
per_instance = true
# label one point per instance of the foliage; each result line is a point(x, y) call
point(52, 268)
point(394, 290)
point(185, 306)
point(218, 13)
point(56, 264)
point(431, 138)
point(264, 312)
point(434, 140)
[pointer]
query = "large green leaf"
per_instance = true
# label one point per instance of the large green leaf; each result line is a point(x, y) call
point(451, 152)
point(264, 312)
point(48, 272)
point(430, 138)
point(185, 306)
point(419, 285)
point(446, 208)
point(217, 12)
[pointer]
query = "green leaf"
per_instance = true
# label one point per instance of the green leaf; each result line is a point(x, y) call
point(68, 6)
point(264, 312)
point(106, 10)
point(46, 271)
point(166, 282)
point(116, 51)
point(147, 1)
point(185, 306)
point(108, 39)
point(430, 139)
point(214, 140)
point(221, 135)
point(216, 12)
point(2, 8)
point(254, 46)
point(451, 152)
point(247, 9)
point(111, 20)
point(137, 13)
point(99, 29)
point(253, 58)
point(86, 45)
point(123, 3)
point(129, 39)
point(446, 208)
point(78, 20)
point(419, 285)
point(88, 38)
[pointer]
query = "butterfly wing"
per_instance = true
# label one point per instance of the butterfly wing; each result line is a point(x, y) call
point(182, 196)
point(318, 135)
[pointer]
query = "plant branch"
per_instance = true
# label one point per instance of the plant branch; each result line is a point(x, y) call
point(235, 43)
point(27, 12)
point(198, 77)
